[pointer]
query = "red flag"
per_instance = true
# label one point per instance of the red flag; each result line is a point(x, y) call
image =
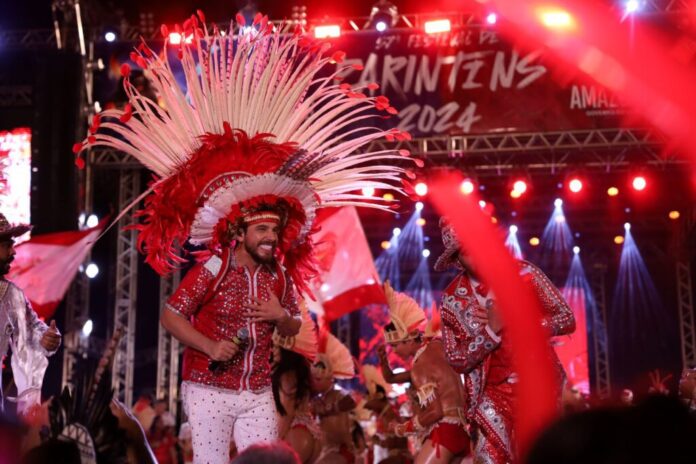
point(348, 278)
point(45, 266)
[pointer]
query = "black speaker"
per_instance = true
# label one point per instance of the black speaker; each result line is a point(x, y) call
point(57, 94)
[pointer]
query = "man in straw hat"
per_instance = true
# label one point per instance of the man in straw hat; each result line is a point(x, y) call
point(476, 346)
point(30, 339)
point(440, 412)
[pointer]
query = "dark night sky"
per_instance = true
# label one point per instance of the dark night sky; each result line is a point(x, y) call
point(37, 13)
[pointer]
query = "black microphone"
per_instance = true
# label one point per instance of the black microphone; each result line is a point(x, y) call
point(240, 340)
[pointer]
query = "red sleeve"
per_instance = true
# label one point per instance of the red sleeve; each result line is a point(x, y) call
point(189, 295)
point(558, 318)
point(466, 347)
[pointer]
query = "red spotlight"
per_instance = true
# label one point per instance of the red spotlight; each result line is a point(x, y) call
point(467, 187)
point(437, 26)
point(639, 183)
point(421, 189)
point(575, 185)
point(519, 186)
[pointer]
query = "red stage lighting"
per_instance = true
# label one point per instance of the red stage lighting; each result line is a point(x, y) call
point(575, 185)
point(327, 31)
point(438, 26)
point(467, 187)
point(519, 186)
point(421, 189)
point(639, 183)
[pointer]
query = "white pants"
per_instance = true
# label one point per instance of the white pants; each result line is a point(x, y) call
point(217, 416)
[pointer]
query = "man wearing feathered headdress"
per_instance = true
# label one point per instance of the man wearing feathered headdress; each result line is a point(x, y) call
point(244, 156)
point(476, 346)
point(332, 406)
point(30, 339)
point(440, 412)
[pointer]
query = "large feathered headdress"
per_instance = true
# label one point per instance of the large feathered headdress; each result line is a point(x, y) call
point(405, 315)
point(259, 126)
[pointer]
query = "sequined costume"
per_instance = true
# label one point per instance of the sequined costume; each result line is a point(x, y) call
point(21, 330)
point(484, 357)
point(222, 315)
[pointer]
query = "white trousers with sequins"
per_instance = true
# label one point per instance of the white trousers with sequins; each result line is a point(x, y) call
point(219, 416)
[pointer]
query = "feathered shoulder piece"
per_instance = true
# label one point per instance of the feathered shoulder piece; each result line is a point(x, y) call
point(263, 122)
point(336, 356)
point(404, 313)
point(306, 341)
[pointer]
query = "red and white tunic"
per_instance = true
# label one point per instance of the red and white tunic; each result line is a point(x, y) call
point(485, 358)
point(220, 314)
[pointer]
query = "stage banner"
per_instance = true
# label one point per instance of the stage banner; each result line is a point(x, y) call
point(45, 265)
point(348, 278)
point(466, 81)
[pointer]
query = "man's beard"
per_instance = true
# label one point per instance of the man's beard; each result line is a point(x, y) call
point(257, 257)
point(5, 267)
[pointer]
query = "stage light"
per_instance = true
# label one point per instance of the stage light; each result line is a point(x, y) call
point(174, 38)
point(612, 191)
point(388, 197)
point(92, 221)
point(482, 203)
point(87, 328)
point(556, 19)
point(494, 220)
point(385, 244)
point(327, 31)
point(515, 194)
point(534, 241)
point(619, 239)
point(513, 229)
point(368, 191)
point(426, 253)
point(520, 186)
point(421, 222)
point(81, 219)
point(576, 250)
point(639, 183)
point(631, 6)
point(419, 206)
point(627, 226)
point(560, 219)
point(325, 288)
point(467, 187)
point(396, 231)
point(421, 189)
point(491, 18)
point(575, 185)
point(557, 202)
point(92, 270)
point(384, 14)
point(438, 26)
point(674, 215)
point(110, 36)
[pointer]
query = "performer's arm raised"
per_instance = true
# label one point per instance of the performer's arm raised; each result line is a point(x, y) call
point(558, 317)
point(389, 375)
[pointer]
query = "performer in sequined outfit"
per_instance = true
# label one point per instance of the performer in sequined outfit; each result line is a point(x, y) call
point(476, 347)
point(244, 154)
point(330, 405)
point(440, 416)
point(31, 340)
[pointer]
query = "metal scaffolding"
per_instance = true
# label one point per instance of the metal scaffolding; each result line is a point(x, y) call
point(168, 351)
point(600, 339)
point(126, 287)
